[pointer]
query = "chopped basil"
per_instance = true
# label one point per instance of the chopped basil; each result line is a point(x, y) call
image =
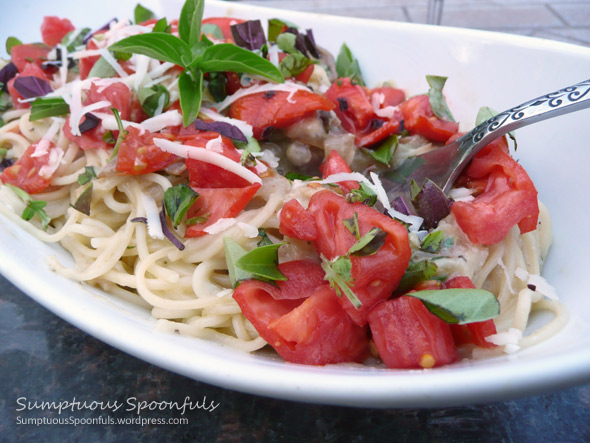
point(78, 41)
point(31, 86)
point(432, 242)
point(198, 220)
point(11, 42)
point(352, 224)
point(102, 69)
point(431, 204)
point(249, 35)
point(48, 107)
point(276, 27)
point(122, 132)
point(82, 203)
point(286, 42)
point(162, 26)
point(87, 175)
point(369, 243)
point(5, 102)
point(437, 99)
point(264, 238)
point(385, 151)
point(339, 275)
point(364, 194)
point(225, 129)
point(262, 262)
point(216, 86)
point(233, 252)
point(414, 189)
point(153, 100)
point(34, 207)
point(177, 201)
point(296, 176)
point(348, 66)
point(415, 273)
point(294, 64)
point(211, 30)
point(484, 114)
point(109, 138)
point(142, 14)
point(460, 306)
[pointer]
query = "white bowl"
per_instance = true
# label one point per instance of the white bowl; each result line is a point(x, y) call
point(484, 68)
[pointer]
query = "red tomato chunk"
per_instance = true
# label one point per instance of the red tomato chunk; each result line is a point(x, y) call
point(54, 29)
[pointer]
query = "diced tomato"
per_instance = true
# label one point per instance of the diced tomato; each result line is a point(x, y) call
point(216, 203)
point(408, 336)
point(139, 155)
point(206, 175)
point(477, 332)
point(355, 111)
point(509, 198)
point(335, 164)
point(391, 96)
point(420, 119)
point(86, 63)
point(30, 70)
point(374, 277)
point(25, 172)
point(119, 96)
point(54, 29)
point(303, 76)
point(265, 110)
point(224, 24)
point(36, 53)
point(314, 332)
point(296, 222)
point(303, 278)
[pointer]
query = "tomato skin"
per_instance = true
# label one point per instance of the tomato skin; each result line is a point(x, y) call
point(303, 278)
point(313, 332)
point(119, 96)
point(304, 76)
point(21, 55)
point(408, 336)
point(392, 96)
point(219, 203)
point(139, 155)
point(264, 111)
point(509, 198)
point(54, 29)
point(335, 164)
point(420, 119)
point(296, 222)
point(224, 24)
point(86, 63)
point(30, 70)
point(25, 172)
point(374, 277)
point(477, 332)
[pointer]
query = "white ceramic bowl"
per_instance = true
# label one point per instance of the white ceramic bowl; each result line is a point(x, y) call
point(495, 70)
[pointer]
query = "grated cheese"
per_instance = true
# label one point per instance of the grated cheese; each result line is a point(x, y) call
point(153, 217)
point(541, 285)
point(215, 116)
point(55, 156)
point(141, 69)
point(288, 86)
point(207, 156)
point(251, 231)
point(220, 225)
point(42, 147)
point(510, 339)
point(111, 61)
point(215, 145)
point(159, 122)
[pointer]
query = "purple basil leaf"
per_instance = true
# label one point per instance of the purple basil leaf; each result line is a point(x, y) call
point(399, 204)
point(7, 73)
point(6, 163)
point(249, 35)
point(311, 45)
point(90, 121)
point(222, 128)
point(105, 27)
point(169, 235)
point(30, 86)
point(139, 220)
point(431, 204)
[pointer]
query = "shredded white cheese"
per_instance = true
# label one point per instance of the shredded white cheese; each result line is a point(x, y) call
point(541, 285)
point(510, 339)
point(55, 156)
point(42, 147)
point(141, 69)
point(288, 86)
point(220, 225)
point(461, 194)
point(207, 156)
point(215, 116)
point(215, 145)
point(159, 122)
point(251, 231)
point(111, 61)
point(153, 217)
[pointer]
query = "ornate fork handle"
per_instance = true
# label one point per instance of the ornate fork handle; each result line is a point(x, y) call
point(566, 100)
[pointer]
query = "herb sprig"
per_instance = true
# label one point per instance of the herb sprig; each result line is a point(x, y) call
point(34, 207)
point(197, 55)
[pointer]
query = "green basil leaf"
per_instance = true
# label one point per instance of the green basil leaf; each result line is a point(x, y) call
point(216, 86)
point(276, 26)
point(190, 95)
point(339, 274)
point(122, 56)
point(352, 224)
point(109, 138)
point(264, 238)
point(294, 64)
point(48, 107)
point(262, 262)
point(369, 243)
point(460, 306)
point(432, 242)
point(189, 22)
point(209, 29)
point(415, 273)
point(34, 207)
point(82, 203)
point(102, 69)
point(87, 175)
point(233, 252)
point(78, 41)
point(228, 57)
point(286, 42)
point(153, 100)
point(11, 42)
point(296, 176)
point(177, 201)
point(348, 66)
point(122, 132)
point(162, 26)
point(414, 189)
point(5, 102)
point(364, 194)
point(158, 45)
point(198, 220)
point(484, 114)
point(437, 99)
point(142, 14)
point(386, 150)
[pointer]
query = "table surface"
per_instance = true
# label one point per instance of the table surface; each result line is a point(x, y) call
point(44, 358)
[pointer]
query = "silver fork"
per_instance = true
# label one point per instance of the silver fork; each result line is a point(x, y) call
point(443, 165)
